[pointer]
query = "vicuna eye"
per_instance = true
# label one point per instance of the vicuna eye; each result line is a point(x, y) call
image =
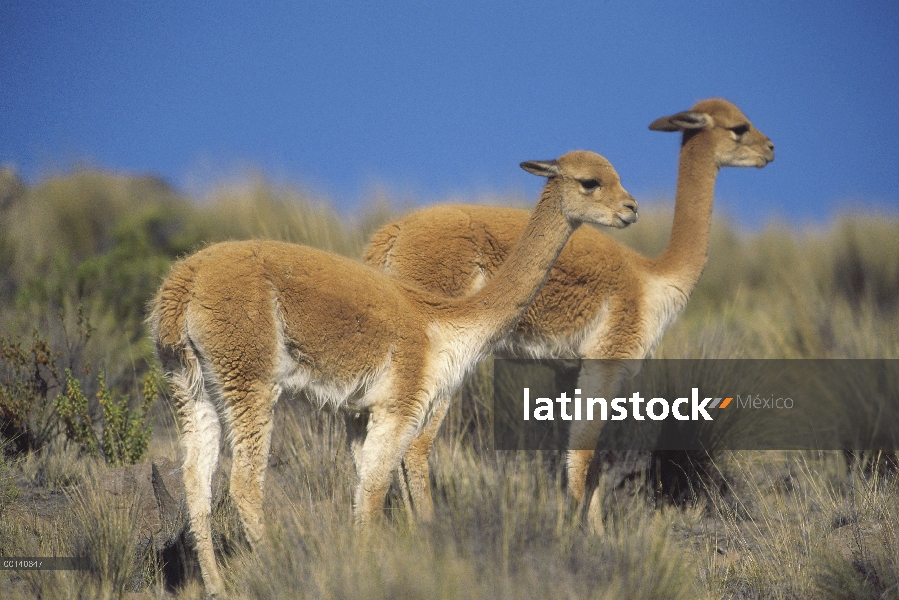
point(740, 130)
point(590, 184)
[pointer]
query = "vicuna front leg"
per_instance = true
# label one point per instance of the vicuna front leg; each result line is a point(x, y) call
point(251, 413)
point(597, 379)
point(389, 434)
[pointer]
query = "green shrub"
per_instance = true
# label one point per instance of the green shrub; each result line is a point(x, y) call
point(125, 431)
point(72, 407)
point(39, 399)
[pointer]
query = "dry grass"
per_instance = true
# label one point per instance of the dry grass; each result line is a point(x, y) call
point(785, 525)
point(504, 530)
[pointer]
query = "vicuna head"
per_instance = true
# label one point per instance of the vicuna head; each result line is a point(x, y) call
point(588, 187)
point(737, 143)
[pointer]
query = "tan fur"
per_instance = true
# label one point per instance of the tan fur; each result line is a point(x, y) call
point(238, 323)
point(601, 300)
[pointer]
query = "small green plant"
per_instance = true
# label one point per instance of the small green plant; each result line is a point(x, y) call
point(125, 432)
point(72, 407)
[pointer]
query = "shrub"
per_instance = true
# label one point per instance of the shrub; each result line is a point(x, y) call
point(125, 432)
point(29, 378)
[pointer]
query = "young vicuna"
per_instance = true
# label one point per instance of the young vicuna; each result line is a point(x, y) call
point(601, 300)
point(240, 322)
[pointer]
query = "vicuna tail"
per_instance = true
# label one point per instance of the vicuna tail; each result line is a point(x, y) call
point(168, 326)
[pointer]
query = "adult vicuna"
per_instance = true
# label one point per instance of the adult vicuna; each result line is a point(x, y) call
point(239, 322)
point(602, 300)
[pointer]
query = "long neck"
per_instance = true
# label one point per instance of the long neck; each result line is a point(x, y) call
point(506, 296)
point(687, 252)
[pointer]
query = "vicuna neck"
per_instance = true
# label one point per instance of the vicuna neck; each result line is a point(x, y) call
point(687, 252)
point(508, 294)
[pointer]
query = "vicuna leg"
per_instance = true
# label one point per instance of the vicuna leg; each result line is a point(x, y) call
point(251, 436)
point(597, 379)
point(583, 435)
point(389, 434)
point(201, 433)
point(414, 473)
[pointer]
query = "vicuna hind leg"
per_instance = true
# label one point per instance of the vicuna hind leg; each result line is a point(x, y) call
point(200, 436)
point(251, 418)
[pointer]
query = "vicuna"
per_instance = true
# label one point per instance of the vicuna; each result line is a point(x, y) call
point(239, 323)
point(602, 300)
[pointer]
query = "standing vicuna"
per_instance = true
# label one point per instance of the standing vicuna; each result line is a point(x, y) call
point(239, 322)
point(602, 300)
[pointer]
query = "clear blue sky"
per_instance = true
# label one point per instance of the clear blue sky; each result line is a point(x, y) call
point(443, 99)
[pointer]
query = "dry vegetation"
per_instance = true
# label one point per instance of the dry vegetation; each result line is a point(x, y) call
point(82, 253)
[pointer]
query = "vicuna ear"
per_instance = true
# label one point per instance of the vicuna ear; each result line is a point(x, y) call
point(682, 121)
point(543, 168)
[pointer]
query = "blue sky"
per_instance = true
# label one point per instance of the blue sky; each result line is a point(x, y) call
point(440, 100)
